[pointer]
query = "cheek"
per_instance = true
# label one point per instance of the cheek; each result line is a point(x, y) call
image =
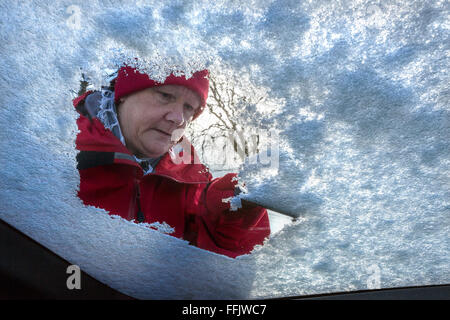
point(143, 122)
point(129, 125)
point(131, 117)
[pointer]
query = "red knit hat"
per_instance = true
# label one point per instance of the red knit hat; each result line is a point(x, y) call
point(130, 80)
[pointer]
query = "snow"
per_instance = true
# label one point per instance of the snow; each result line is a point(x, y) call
point(363, 139)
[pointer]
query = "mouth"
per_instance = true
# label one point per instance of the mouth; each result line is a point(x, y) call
point(163, 132)
point(173, 136)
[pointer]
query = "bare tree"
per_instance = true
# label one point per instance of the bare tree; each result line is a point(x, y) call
point(234, 108)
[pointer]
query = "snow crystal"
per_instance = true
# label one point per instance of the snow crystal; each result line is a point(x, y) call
point(363, 139)
point(235, 203)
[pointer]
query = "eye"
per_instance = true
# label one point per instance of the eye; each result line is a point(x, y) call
point(188, 107)
point(165, 96)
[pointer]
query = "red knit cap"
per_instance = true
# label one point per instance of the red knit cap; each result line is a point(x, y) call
point(130, 80)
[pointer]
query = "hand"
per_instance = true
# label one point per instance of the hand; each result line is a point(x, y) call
point(221, 188)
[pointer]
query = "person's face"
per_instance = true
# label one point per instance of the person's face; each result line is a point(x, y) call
point(152, 118)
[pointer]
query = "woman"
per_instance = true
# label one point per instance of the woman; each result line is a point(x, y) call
point(135, 162)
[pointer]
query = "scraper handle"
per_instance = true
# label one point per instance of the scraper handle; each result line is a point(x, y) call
point(251, 204)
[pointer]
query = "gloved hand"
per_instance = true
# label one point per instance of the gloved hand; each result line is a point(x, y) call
point(237, 231)
point(219, 189)
point(223, 188)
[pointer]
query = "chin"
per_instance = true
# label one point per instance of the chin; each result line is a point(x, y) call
point(155, 153)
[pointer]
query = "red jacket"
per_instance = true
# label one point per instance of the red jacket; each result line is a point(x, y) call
point(182, 195)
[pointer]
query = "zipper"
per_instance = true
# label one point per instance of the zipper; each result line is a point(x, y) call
point(139, 215)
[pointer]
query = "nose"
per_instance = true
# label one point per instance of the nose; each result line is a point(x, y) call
point(175, 114)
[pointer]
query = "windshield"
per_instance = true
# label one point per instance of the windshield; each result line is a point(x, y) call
point(335, 115)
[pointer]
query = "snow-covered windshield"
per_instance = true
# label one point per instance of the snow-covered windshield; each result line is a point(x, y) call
point(348, 102)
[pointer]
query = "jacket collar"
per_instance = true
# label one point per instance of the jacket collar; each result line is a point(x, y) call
point(182, 164)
